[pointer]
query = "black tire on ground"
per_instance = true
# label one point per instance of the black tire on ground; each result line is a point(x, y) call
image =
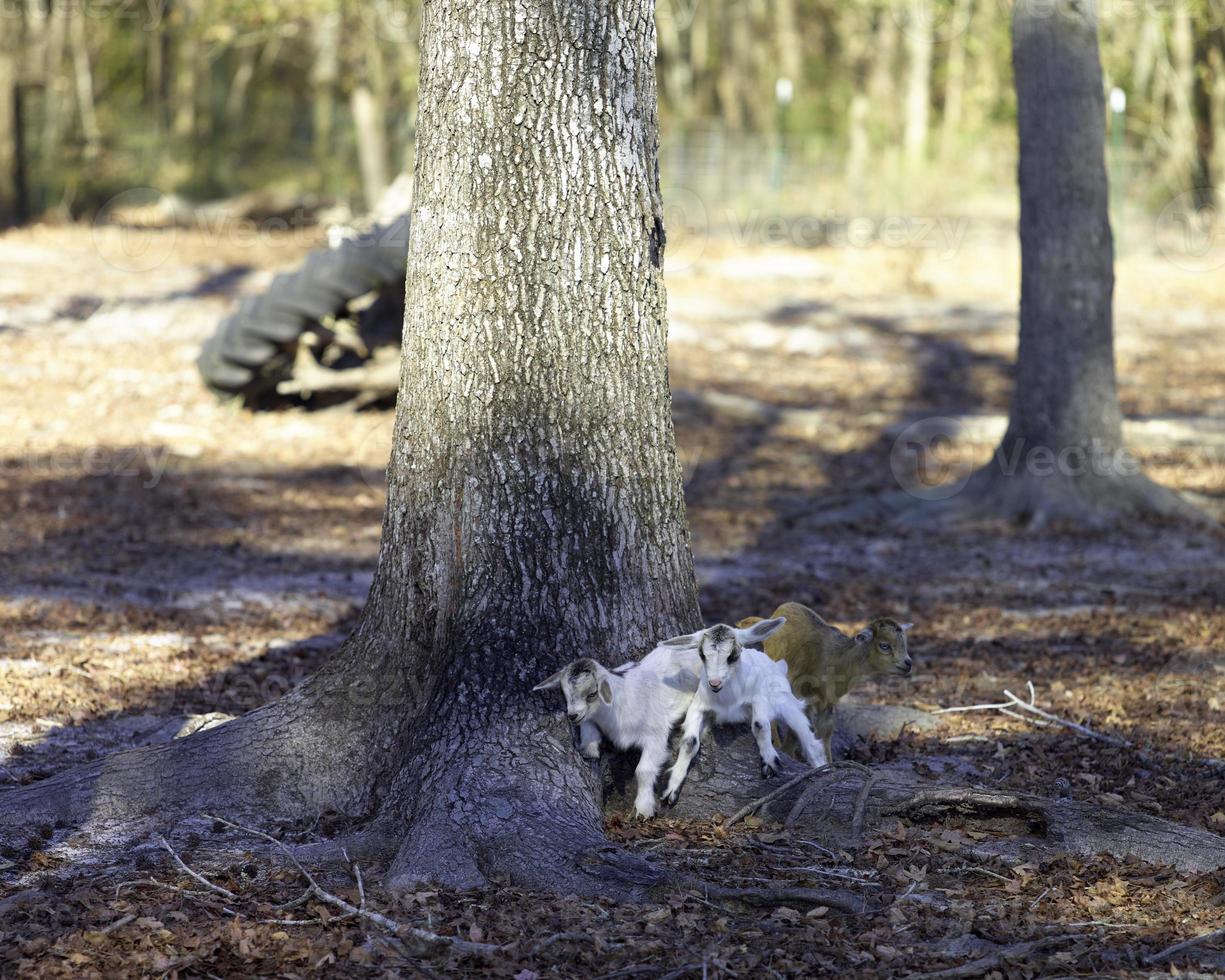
point(253, 348)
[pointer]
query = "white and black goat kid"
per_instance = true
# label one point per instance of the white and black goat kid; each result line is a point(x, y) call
point(739, 684)
point(634, 707)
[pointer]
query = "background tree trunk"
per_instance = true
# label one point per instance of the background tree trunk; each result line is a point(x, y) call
point(1181, 153)
point(83, 76)
point(951, 131)
point(1062, 457)
point(10, 199)
point(918, 81)
point(325, 74)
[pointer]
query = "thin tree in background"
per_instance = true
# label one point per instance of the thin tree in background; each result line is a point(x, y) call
point(12, 206)
point(1062, 457)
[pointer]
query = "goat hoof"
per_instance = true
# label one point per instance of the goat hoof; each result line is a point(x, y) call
point(769, 770)
point(671, 798)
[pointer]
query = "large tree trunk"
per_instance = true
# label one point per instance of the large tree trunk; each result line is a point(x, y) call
point(1062, 457)
point(535, 510)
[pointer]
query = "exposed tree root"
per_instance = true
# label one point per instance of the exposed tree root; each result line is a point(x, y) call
point(398, 929)
point(840, 899)
point(1183, 946)
point(534, 818)
point(727, 779)
point(991, 496)
point(1038, 501)
point(1000, 959)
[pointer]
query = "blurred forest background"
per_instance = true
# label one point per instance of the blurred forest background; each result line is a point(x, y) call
point(868, 104)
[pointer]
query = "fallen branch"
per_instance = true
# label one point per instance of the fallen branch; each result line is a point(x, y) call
point(774, 794)
point(966, 801)
point(842, 901)
point(119, 923)
point(398, 929)
point(997, 959)
point(217, 889)
point(1186, 944)
point(379, 377)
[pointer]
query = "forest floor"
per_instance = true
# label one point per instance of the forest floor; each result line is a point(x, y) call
point(163, 556)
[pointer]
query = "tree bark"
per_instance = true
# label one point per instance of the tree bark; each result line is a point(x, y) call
point(535, 509)
point(1062, 457)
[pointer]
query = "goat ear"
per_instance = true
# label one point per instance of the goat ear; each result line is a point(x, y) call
point(864, 636)
point(605, 692)
point(760, 631)
point(905, 626)
point(554, 681)
point(688, 640)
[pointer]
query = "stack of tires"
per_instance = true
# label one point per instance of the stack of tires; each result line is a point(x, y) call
point(254, 348)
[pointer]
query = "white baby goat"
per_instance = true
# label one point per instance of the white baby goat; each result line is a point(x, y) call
point(739, 684)
point(635, 706)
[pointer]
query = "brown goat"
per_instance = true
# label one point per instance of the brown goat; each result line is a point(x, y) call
point(823, 663)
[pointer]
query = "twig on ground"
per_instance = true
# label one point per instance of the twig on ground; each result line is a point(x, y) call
point(182, 866)
point(1186, 944)
point(398, 929)
point(998, 958)
point(1029, 712)
point(774, 794)
point(861, 802)
point(202, 897)
point(556, 938)
point(119, 923)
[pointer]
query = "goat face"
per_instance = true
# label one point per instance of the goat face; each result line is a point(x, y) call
point(720, 647)
point(584, 685)
point(884, 644)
